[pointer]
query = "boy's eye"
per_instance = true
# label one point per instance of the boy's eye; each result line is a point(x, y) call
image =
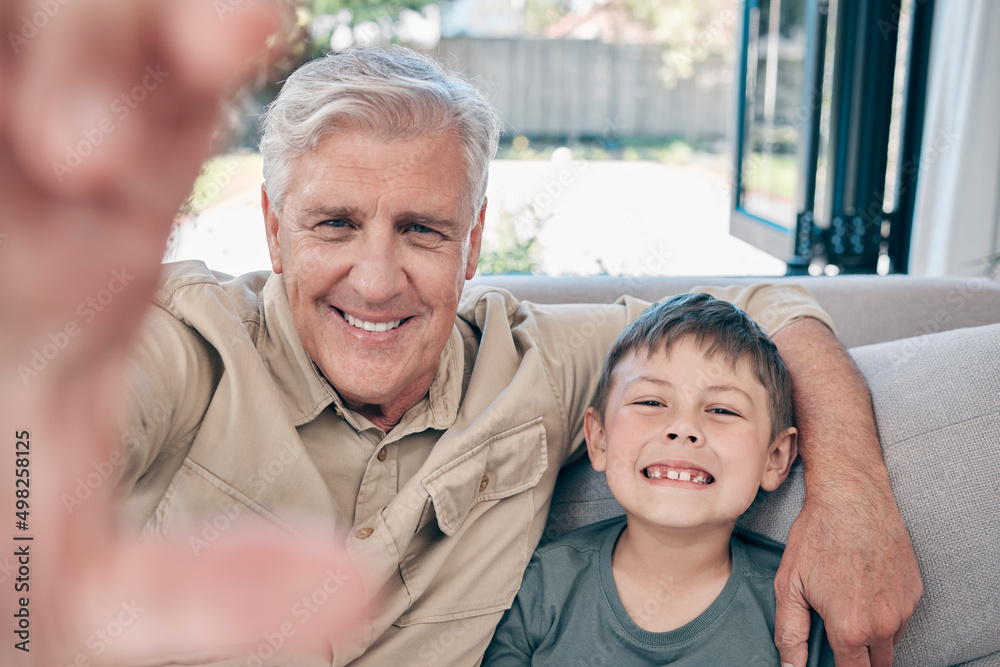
point(723, 411)
point(650, 402)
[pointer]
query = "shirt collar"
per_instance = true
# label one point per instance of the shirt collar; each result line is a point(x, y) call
point(306, 393)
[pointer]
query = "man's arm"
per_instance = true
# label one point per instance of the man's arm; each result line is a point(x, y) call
point(848, 553)
point(64, 232)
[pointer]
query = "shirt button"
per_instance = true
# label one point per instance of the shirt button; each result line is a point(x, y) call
point(382, 454)
point(483, 483)
point(363, 533)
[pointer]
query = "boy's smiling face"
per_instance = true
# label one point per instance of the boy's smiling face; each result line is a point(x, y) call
point(685, 440)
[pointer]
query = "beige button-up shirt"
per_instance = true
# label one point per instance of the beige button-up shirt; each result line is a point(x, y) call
point(234, 422)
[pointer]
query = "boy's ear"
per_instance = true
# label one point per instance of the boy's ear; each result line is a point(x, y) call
point(593, 431)
point(781, 455)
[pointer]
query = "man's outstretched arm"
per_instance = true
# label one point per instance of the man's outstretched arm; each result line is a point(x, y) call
point(65, 231)
point(849, 522)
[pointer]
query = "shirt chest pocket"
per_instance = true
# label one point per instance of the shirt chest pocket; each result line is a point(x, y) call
point(470, 560)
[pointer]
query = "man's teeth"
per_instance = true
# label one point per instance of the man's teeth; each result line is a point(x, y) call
point(371, 326)
point(701, 477)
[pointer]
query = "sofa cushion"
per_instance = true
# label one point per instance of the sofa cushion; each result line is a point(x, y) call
point(937, 405)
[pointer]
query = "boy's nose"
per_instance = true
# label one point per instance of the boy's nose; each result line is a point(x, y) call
point(691, 437)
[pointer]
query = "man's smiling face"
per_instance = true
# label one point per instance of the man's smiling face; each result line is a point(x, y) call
point(375, 240)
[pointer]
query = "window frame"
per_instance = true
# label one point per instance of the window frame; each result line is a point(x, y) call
point(853, 232)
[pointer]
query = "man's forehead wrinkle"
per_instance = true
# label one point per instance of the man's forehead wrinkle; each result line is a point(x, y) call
point(370, 178)
point(319, 169)
point(331, 212)
point(321, 195)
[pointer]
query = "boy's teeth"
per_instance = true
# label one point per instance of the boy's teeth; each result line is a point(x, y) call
point(659, 472)
point(371, 326)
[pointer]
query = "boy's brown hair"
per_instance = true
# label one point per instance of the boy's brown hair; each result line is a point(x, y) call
point(718, 327)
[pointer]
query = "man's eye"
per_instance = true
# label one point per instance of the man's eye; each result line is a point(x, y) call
point(420, 229)
point(335, 224)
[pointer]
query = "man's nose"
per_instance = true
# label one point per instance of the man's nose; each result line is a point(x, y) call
point(377, 273)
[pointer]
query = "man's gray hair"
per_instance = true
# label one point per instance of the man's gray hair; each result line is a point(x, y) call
point(389, 92)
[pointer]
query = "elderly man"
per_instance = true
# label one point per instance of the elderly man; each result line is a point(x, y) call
point(358, 385)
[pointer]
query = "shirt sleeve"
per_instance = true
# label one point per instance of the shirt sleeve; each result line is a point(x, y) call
point(171, 378)
point(773, 307)
point(516, 638)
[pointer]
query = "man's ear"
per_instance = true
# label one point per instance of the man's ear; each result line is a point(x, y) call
point(781, 455)
point(271, 229)
point(593, 431)
point(476, 242)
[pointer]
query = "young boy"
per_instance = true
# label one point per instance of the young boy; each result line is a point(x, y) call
point(693, 414)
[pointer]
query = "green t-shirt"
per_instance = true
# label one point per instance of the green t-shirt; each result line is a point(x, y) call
point(568, 612)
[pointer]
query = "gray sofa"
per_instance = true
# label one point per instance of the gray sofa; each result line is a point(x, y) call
point(930, 351)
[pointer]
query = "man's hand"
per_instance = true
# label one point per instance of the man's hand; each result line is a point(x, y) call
point(852, 563)
point(848, 554)
point(107, 111)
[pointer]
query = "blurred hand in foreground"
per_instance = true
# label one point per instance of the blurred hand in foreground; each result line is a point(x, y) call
point(107, 111)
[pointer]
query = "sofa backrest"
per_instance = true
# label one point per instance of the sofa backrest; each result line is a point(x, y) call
point(866, 309)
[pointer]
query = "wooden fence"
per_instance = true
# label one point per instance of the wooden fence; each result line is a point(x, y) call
point(583, 88)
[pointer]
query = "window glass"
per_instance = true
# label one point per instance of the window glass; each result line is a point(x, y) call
point(775, 79)
point(901, 35)
point(823, 157)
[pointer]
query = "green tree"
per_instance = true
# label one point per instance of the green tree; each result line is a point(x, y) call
point(540, 14)
point(691, 32)
point(353, 12)
point(368, 10)
point(515, 248)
